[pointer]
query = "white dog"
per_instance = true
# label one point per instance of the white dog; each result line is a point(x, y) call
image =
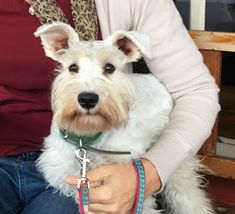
point(93, 93)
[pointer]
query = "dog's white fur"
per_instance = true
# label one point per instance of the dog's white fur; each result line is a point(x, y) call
point(132, 111)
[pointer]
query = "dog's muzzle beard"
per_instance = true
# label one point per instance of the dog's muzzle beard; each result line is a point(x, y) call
point(105, 115)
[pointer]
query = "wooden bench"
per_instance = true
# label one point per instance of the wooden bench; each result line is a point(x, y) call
point(212, 45)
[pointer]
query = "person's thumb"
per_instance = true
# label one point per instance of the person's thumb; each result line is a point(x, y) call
point(94, 176)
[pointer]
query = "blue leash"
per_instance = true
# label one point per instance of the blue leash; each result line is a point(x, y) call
point(140, 186)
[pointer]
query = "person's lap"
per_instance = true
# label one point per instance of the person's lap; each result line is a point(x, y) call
point(49, 202)
point(23, 189)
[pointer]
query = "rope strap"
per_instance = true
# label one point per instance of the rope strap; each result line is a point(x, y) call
point(140, 186)
point(83, 195)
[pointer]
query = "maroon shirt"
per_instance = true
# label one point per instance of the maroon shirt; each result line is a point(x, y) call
point(25, 79)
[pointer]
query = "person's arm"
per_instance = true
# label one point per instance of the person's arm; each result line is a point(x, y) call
point(178, 64)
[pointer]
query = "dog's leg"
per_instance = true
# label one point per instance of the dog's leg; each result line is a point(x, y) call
point(183, 193)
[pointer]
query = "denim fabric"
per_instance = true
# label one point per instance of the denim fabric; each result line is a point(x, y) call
point(24, 190)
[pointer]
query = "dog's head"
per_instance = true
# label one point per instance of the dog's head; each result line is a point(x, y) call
point(91, 91)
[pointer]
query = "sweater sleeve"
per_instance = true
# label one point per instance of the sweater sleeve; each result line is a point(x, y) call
point(178, 64)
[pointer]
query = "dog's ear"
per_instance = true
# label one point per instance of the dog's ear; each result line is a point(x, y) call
point(133, 44)
point(56, 37)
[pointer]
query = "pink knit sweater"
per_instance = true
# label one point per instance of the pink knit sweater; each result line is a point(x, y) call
point(178, 64)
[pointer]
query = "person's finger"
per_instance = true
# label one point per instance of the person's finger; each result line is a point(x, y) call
point(102, 194)
point(104, 208)
point(97, 207)
point(94, 176)
point(72, 180)
point(98, 175)
point(97, 194)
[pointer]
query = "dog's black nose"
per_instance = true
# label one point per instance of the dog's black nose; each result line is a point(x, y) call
point(88, 100)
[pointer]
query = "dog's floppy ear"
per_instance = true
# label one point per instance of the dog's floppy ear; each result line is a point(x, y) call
point(56, 37)
point(133, 44)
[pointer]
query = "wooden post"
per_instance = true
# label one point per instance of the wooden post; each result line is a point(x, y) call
point(197, 14)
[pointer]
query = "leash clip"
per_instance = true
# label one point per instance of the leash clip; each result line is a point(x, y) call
point(81, 155)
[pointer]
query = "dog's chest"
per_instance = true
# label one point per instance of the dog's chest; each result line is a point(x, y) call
point(148, 115)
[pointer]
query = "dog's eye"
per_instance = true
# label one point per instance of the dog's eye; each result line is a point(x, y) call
point(109, 68)
point(73, 68)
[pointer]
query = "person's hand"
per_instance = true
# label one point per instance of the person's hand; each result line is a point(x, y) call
point(113, 187)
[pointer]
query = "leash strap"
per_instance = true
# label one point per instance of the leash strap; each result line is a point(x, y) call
point(83, 195)
point(140, 186)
